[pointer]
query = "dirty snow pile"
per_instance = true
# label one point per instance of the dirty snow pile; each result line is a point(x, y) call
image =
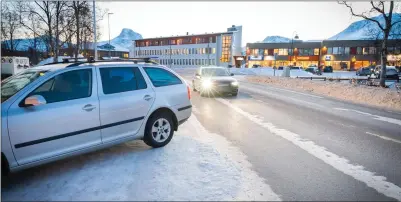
point(362, 94)
point(195, 165)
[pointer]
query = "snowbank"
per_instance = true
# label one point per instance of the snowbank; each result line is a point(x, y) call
point(267, 71)
point(374, 96)
point(196, 165)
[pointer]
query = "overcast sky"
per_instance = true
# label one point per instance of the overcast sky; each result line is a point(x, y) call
point(311, 20)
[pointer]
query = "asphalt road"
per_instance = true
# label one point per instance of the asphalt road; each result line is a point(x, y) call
point(307, 146)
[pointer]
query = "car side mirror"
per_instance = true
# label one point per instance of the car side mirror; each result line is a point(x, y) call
point(34, 100)
point(232, 74)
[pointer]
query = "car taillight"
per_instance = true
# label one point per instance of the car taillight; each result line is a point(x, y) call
point(189, 92)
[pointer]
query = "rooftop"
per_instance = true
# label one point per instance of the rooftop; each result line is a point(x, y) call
point(179, 36)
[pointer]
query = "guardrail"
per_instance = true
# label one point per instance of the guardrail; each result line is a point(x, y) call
point(311, 77)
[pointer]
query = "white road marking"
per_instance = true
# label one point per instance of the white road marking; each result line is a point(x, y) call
point(384, 137)
point(315, 96)
point(343, 165)
point(277, 95)
point(377, 117)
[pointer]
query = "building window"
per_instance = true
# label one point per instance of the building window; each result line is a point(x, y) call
point(390, 50)
point(372, 50)
point(203, 50)
point(335, 50)
point(365, 50)
point(316, 51)
point(341, 50)
point(330, 50)
point(226, 49)
point(359, 50)
point(214, 50)
point(346, 51)
point(397, 50)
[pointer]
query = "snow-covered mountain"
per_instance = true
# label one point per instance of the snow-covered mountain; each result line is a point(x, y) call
point(120, 43)
point(365, 29)
point(123, 41)
point(276, 39)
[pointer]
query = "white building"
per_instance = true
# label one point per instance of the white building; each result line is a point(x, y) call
point(192, 50)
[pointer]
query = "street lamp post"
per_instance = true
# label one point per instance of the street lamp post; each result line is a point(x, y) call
point(170, 53)
point(108, 20)
point(292, 43)
point(94, 28)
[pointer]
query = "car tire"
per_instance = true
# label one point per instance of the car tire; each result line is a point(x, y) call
point(159, 130)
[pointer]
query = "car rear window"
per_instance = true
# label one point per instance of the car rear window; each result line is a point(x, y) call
point(161, 77)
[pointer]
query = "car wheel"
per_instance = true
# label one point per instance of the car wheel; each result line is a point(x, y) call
point(159, 130)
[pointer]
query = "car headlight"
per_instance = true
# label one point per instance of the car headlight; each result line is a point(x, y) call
point(234, 83)
point(206, 84)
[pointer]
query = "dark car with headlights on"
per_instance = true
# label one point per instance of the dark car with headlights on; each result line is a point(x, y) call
point(214, 80)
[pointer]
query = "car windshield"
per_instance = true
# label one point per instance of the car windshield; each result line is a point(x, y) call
point(214, 72)
point(14, 84)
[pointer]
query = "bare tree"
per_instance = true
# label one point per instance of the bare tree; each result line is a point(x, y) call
point(10, 25)
point(386, 28)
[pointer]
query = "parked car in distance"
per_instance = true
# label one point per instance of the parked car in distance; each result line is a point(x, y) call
point(364, 71)
point(212, 80)
point(391, 73)
point(280, 68)
point(55, 111)
point(328, 69)
point(295, 68)
point(255, 66)
point(313, 70)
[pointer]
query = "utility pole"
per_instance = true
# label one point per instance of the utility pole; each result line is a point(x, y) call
point(94, 28)
point(208, 52)
point(292, 43)
point(108, 20)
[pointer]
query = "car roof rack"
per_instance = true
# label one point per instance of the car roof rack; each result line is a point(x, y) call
point(134, 60)
point(73, 63)
point(67, 60)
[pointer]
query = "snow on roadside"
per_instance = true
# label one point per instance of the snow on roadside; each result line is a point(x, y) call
point(196, 165)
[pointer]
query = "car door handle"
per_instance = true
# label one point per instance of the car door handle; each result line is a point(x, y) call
point(88, 107)
point(147, 97)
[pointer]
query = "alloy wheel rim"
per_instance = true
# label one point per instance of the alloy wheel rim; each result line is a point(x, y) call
point(161, 130)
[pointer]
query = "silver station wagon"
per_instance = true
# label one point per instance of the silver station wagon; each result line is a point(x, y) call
point(58, 110)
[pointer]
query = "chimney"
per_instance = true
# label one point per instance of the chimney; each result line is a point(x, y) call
point(187, 33)
point(233, 26)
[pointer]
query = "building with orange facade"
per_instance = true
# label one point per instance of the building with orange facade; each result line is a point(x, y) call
point(340, 54)
point(193, 50)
